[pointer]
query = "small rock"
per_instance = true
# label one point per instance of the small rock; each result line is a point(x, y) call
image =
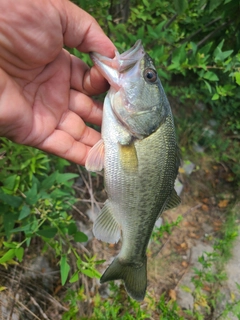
point(201, 106)
point(198, 148)
point(212, 122)
point(209, 133)
point(6, 304)
point(207, 228)
point(85, 229)
point(93, 213)
point(158, 223)
point(39, 268)
point(188, 167)
point(178, 187)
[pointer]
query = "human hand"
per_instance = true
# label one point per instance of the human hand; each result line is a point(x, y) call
point(44, 91)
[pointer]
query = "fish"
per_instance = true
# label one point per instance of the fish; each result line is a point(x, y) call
point(139, 154)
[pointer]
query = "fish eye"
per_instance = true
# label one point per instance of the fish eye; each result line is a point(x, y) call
point(150, 75)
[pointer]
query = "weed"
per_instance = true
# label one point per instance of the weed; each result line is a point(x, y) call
point(35, 201)
point(210, 276)
point(158, 232)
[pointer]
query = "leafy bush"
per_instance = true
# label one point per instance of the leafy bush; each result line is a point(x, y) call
point(196, 48)
point(36, 198)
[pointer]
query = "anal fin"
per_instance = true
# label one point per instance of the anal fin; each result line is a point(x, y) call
point(106, 228)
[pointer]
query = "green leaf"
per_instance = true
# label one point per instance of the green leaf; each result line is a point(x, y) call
point(57, 193)
point(64, 269)
point(63, 177)
point(26, 228)
point(75, 277)
point(179, 55)
point(215, 96)
point(13, 201)
point(91, 273)
point(221, 44)
point(25, 212)
point(180, 5)
point(213, 4)
point(206, 48)
point(32, 195)
point(146, 3)
point(3, 288)
point(151, 32)
point(72, 228)
point(211, 76)
point(10, 254)
point(79, 262)
point(9, 182)
point(163, 74)
point(8, 223)
point(80, 237)
point(28, 241)
point(208, 86)
point(226, 54)
point(47, 233)
point(186, 289)
point(140, 32)
point(220, 55)
point(237, 77)
point(10, 245)
point(19, 252)
point(49, 181)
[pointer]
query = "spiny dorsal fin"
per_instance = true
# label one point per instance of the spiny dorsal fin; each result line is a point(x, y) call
point(106, 228)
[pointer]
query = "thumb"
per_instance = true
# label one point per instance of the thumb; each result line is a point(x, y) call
point(81, 31)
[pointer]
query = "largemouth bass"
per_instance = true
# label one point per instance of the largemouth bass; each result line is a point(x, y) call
point(139, 154)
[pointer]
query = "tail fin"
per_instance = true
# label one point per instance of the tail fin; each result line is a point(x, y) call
point(134, 277)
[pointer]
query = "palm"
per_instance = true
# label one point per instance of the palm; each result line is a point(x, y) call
point(45, 100)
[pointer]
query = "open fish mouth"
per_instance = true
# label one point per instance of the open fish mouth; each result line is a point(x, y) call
point(112, 69)
point(129, 58)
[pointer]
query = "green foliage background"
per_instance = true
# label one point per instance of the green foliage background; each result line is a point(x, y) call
point(196, 48)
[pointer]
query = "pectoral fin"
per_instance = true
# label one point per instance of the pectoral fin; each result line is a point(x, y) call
point(95, 158)
point(106, 228)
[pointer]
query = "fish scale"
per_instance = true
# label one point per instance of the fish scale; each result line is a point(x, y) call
point(140, 163)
